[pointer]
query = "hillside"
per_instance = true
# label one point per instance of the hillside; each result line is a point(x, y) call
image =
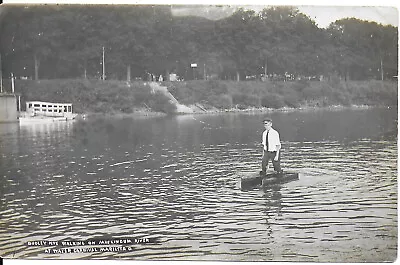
point(95, 96)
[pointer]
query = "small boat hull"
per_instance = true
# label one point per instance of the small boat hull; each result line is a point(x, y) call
point(29, 119)
point(42, 119)
point(252, 180)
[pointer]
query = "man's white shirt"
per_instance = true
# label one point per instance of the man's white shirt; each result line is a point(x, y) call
point(273, 140)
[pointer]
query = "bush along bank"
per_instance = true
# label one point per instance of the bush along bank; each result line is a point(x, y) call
point(116, 97)
point(276, 95)
point(96, 96)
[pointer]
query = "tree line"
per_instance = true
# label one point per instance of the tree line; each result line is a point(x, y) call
point(66, 41)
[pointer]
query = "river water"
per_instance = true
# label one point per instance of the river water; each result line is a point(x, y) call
point(175, 180)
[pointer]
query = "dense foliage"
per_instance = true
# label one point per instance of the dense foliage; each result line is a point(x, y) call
point(116, 97)
point(277, 95)
point(94, 96)
point(66, 41)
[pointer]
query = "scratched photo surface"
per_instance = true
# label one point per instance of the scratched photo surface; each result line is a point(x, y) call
point(134, 133)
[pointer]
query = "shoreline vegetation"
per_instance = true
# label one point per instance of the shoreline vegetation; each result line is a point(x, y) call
point(140, 98)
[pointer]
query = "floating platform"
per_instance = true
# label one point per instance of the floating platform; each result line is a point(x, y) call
point(41, 119)
point(252, 180)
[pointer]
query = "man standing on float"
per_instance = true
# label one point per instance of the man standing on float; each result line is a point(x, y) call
point(272, 146)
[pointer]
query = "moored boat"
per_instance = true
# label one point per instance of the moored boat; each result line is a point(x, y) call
point(41, 112)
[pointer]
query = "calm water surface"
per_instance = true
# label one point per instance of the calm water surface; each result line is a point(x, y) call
point(176, 179)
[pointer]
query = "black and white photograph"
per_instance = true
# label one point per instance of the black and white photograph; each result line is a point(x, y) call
point(198, 132)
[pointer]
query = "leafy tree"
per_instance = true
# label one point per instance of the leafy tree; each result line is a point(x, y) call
point(66, 41)
point(41, 38)
point(362, 47)
point(235, 37)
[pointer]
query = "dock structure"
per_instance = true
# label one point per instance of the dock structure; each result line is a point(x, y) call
point(8, 107)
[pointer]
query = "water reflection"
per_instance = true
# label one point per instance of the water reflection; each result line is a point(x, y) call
point(175, 178)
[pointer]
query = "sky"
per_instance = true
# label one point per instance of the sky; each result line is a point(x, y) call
point(323, 16)
point(323, 12)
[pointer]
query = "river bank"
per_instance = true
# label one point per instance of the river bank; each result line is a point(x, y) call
point(140, 98)
point(149, 114)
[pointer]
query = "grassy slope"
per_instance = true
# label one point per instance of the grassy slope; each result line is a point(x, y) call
point(117, 96)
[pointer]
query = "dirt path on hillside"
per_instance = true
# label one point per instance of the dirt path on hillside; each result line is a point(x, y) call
point(180, 108)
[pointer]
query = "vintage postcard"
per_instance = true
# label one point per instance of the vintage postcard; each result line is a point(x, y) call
point(213, 133)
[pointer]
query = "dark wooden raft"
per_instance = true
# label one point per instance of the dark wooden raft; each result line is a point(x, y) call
point(252, 180)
